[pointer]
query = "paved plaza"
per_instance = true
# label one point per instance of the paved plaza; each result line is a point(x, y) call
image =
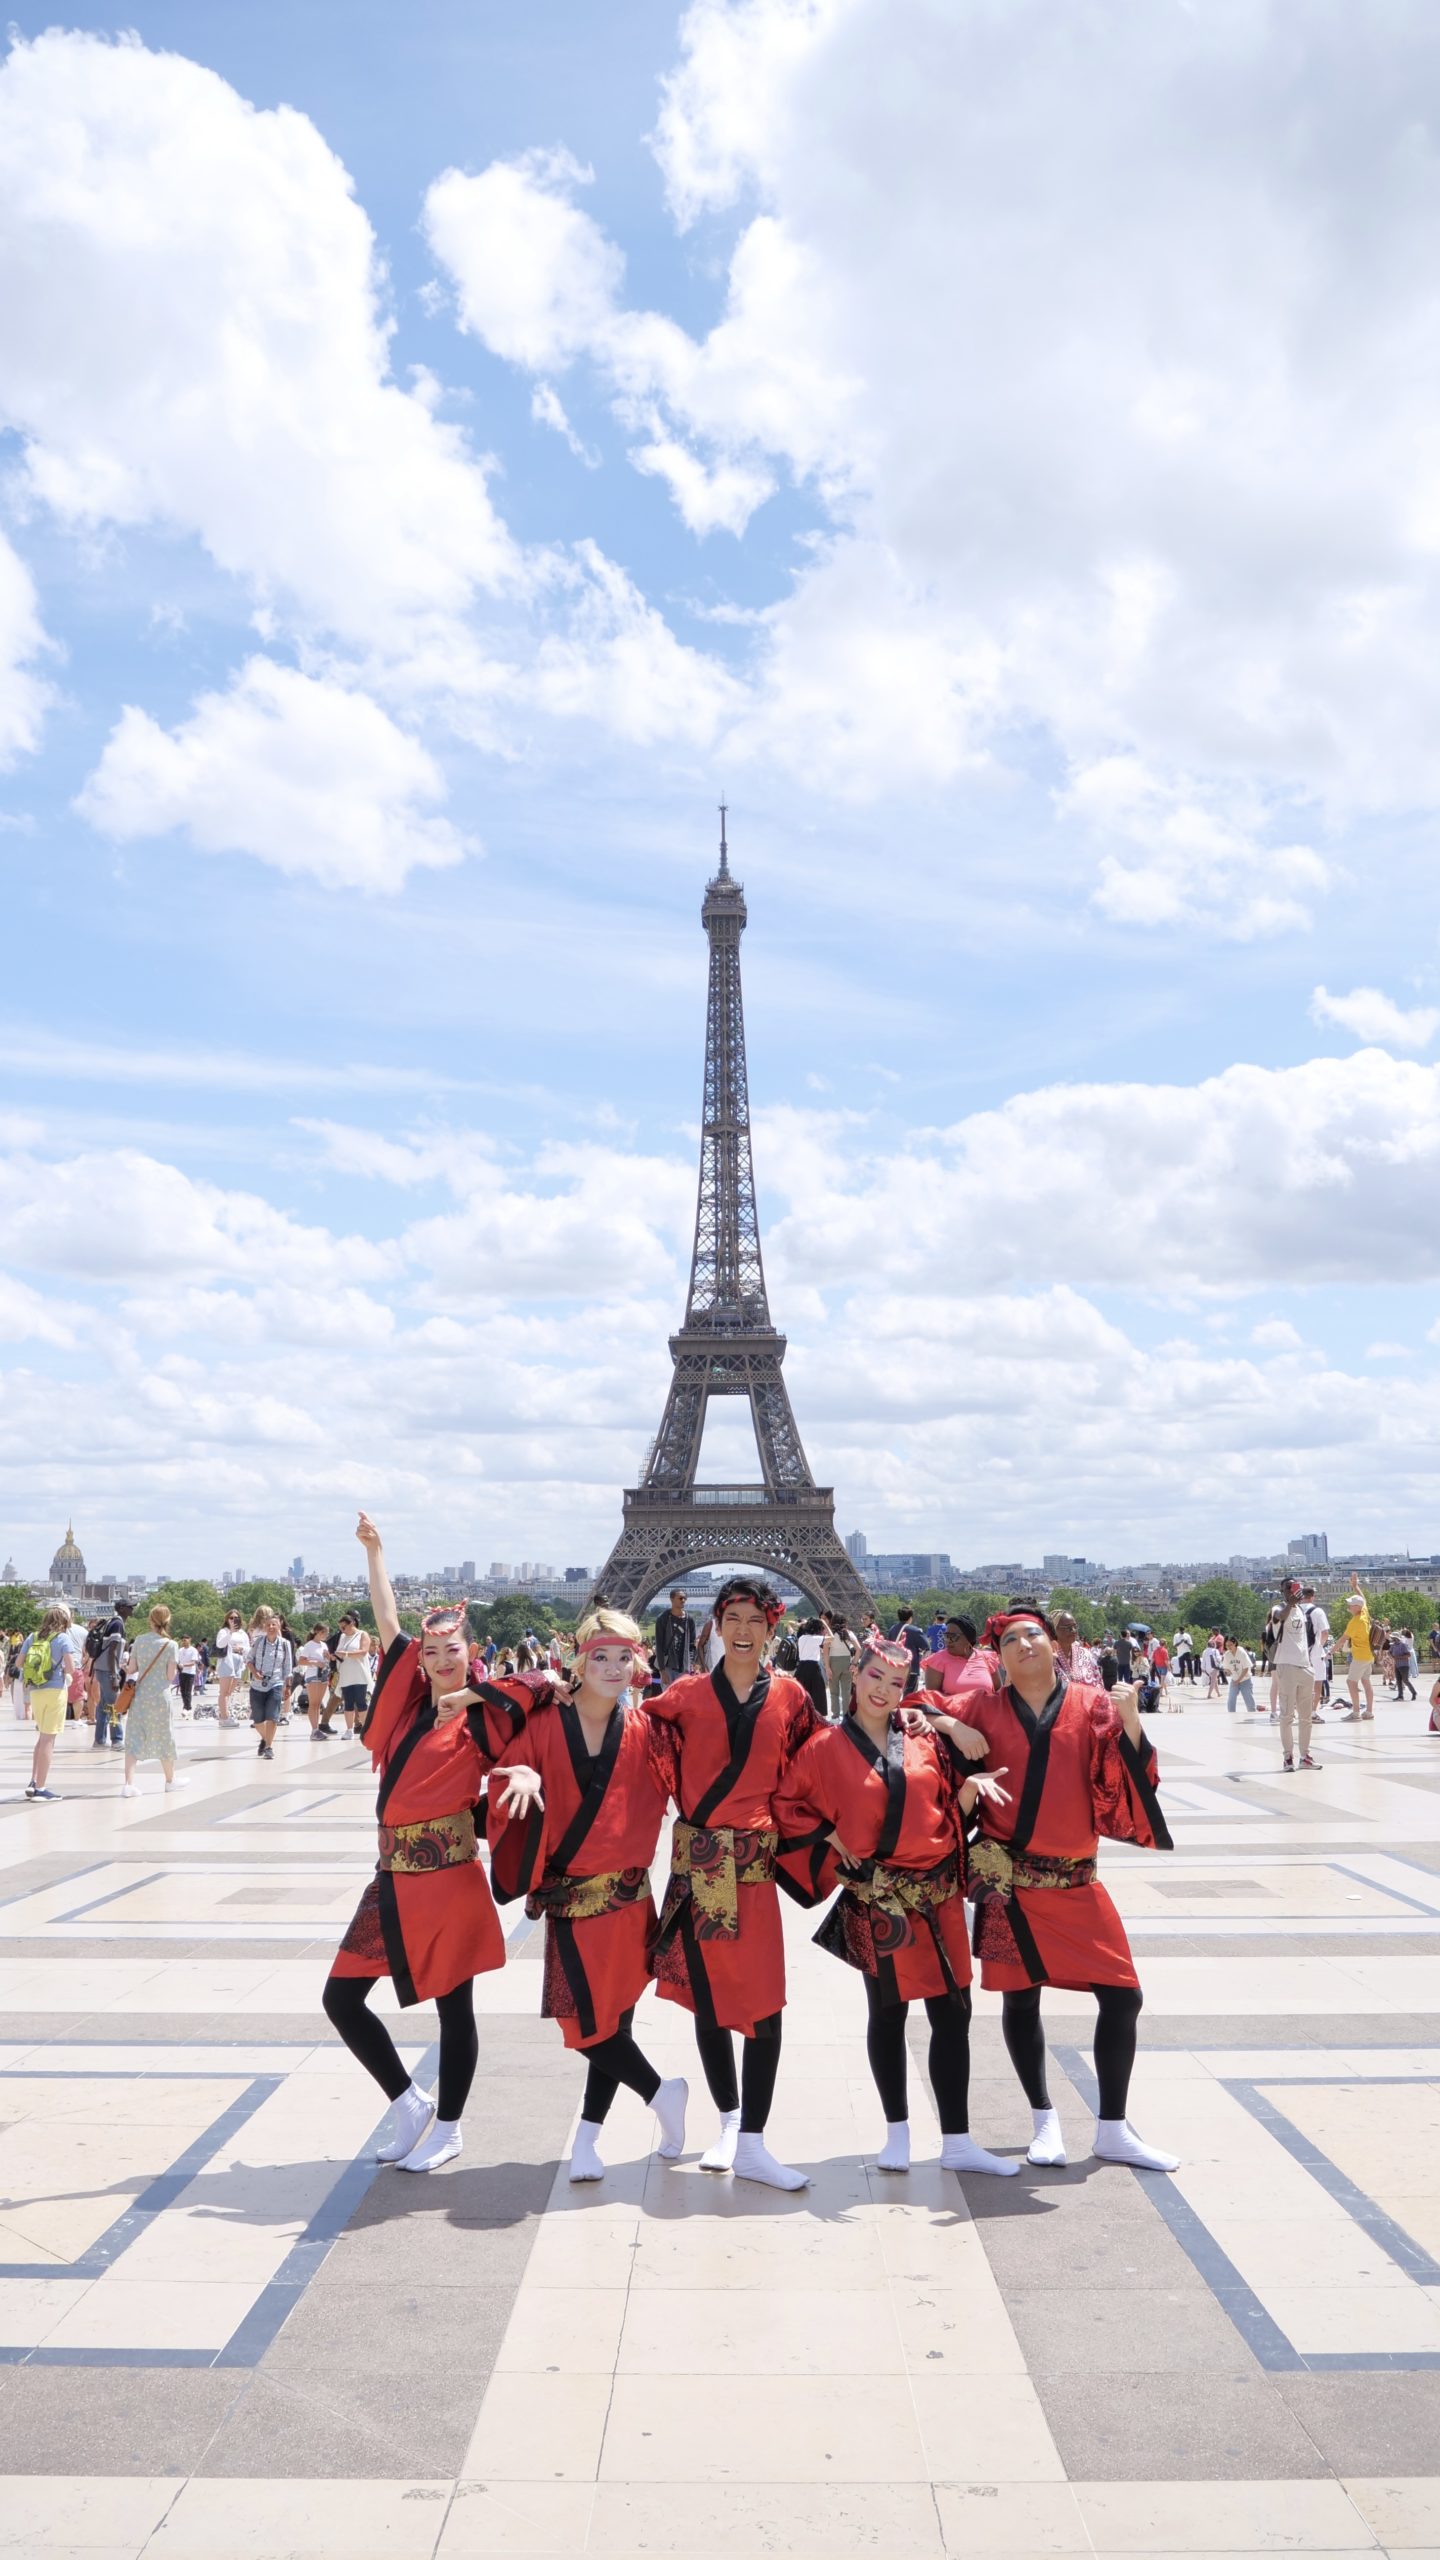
point(224, 2332)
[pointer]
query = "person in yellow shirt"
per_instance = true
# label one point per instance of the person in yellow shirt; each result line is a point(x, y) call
point(1361, 1674)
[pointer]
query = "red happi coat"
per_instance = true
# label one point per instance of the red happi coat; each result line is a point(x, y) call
point(895, 1809)
point(600, 1816)
point(731, 1758)
point(1074, 1776)
point(432, 1931)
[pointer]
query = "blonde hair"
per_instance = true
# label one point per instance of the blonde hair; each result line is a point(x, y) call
point(261, 1618)
point(55, 1620)
point(607, 1622)
point(160, 1618)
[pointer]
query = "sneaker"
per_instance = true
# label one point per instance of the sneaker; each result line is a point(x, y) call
point(42, 1795)
point(267, 1751)
point(1307, 1761)
point(1288, 1764)
point(259, 1750)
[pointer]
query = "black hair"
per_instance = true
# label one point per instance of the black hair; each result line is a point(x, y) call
point(906, 1612)
point(744, 1586)
point(966, 1626)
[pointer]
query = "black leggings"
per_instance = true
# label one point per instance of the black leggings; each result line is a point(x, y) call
point(1403, 1682)
point(1115, 2031)
point(755, 2091)
point(949, 2019)
point(615, 2064)
point(370, 2040)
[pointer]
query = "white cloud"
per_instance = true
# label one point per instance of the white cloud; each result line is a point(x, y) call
point(1371, 1016)
point(1391, 1350)
point(24, 695)
point(306, 774)
point(1322, 1172)
point(548, 410)
point(1135, 516)
point(195, 334)
point(1277, 1335)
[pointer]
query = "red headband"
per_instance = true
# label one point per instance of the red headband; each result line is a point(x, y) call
point(998, 1627)
point(771, 1610)
point(592, 1644)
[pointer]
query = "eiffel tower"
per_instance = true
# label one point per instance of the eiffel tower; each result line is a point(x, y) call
point(728, 1346)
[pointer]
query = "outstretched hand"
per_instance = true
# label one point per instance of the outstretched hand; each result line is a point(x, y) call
point(522, 1789)
point(366, 1531)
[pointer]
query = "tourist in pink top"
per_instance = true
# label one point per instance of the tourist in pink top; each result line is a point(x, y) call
point(962, 1662)
point(1076, 1660)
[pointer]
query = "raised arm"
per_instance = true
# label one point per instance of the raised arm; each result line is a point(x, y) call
point(382, 1598)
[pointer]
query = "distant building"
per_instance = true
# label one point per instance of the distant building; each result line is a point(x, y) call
point(67, 1567)
point(1075, 1571)
point(1312, 1548)
point(857, 1548)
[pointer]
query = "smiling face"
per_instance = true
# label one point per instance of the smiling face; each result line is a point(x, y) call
point(609, 1668)
point(1027, 1653)
point(445, 1653)
point(743, 1631)
point(879, 1686)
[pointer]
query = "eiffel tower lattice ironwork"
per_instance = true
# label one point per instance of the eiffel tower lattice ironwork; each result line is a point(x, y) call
point(728, 1346)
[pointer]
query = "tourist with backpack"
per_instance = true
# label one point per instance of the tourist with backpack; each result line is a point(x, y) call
point(48, 1659)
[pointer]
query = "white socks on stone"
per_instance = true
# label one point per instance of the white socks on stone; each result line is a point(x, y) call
point(894, 2151)
point(1047, 2150)
point(721, 2154)
point(411, 2114)
point(752, 2160)
point(669, 2103)
point(1115, 2141)
point(961, 2151)
point(586, 2164)
point(443, 2142)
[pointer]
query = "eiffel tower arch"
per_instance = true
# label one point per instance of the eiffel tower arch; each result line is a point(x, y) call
point(728, 1346)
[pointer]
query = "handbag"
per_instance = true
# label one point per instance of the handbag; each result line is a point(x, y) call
point(124, 1698)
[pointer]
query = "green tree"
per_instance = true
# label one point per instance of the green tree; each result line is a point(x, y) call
point(247, 1597)
point(1089, 1617)
point(1408, 1609)
point(19, 1614)
point(196, 1610)
point(505, 1621)
point(1222, 1603)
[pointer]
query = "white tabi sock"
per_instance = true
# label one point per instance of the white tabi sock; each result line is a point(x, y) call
point(1115, 2141)
point(669, 2103)
point(962, 2151)
point(410, 2115)
point(1048, 2147)
point(752, 2160)
point(894, 2151)
point(721, 2154)
point(586, 2164)
point(443, 2142)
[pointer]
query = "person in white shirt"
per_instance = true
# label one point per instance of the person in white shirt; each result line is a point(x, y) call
point(232, 1654)
point(1239, 1670)
point(312, 1660)
point(187, 1664)
point(1292, 1675)
point(352, 1661)
point(1320, 1648)
point(1210, 1662)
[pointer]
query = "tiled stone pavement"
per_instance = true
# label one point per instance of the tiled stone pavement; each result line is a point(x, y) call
point(222, 2333)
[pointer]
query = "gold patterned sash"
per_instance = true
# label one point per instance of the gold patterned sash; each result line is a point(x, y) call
point(588, 1897)
point(994, 1870)
point(707, 1869)
point(899, 1891)
point(423, 1848)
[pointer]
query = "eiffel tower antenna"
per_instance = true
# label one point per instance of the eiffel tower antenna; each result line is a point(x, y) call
point(728, 1346)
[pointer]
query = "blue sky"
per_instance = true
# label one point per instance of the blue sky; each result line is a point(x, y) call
point(442, 453)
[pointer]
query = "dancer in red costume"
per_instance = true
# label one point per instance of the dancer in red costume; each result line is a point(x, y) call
point(1080, 1767)
point(877, 1804)
point(720, 1952)
point(426, 1917)
point(576, 1835)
